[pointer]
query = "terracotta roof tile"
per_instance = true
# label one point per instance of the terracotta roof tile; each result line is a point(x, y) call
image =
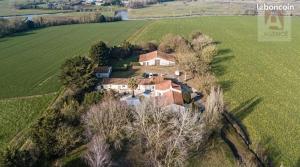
point(170, 97)
point(154, 54)
point(167, 84)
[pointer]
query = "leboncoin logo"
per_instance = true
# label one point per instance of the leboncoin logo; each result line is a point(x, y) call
point(274, 20)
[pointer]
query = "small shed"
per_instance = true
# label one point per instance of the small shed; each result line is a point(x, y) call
point(103, 71)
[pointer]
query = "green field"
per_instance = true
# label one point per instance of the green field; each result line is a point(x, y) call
point(17, 114)
point(29, 62)
point(261, 79)
point(7, 9)
point(29, 65)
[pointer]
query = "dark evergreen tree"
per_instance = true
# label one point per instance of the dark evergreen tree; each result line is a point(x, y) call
point(78, 73)
point(99, 53)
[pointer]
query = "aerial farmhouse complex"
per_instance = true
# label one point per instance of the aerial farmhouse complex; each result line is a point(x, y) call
point(164, 90)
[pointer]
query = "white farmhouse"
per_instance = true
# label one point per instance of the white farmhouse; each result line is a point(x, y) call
point(118, 84)
point(167, 93)
point(157, 58)
point(103, 72)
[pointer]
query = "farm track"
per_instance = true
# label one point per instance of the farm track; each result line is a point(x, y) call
point(28, 97)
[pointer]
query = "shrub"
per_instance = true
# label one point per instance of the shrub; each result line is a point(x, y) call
point(13, 157)
point(92, 98)
point(149, 46)
point(135, 64)
point(186, 97)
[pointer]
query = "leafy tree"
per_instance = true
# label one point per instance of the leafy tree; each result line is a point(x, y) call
point(13, 157)
point(99, 53)
point(92, 98)
point(127, 48)
point(43, 134)
point(102, 19)
point(68, 138)
point(77, 73)
point(53, 136)
point(132, 84)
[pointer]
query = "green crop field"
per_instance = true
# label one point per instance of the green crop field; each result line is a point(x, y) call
point(30, 62)
point(17, 114)
point(261, 79)
point(7, 9)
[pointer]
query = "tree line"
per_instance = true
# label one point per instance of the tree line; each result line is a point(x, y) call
point(21, 24)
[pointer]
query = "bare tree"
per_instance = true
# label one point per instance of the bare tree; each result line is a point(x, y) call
point(98, 153)
point(174, 43)
point(166, 137)
point(200, 40)
point(214, 109)
point(110, 119)
point(187, 61)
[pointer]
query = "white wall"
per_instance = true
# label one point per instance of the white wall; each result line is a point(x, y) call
point(119, 88)
point(163, 62)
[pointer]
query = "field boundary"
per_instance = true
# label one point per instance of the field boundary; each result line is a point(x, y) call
point(132, 37)
point(28, 97)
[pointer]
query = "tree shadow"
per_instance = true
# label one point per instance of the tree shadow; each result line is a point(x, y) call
point(217, 65)
point(242, 111)
point(272, 152)
point(217, 42)
point(246, 107)
point(2, 39)
point(226, 85)
point(20, 34)
point(298, 162)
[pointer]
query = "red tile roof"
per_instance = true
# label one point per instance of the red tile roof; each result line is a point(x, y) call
point(170, 97)
point(155, 54)
point(167, 84)
point(151, 81)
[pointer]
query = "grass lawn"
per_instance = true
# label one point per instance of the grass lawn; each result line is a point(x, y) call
point(261, 79)
point(30, 62)
point(17, 114)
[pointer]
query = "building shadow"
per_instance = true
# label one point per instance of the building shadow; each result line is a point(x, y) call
point(218, 67)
